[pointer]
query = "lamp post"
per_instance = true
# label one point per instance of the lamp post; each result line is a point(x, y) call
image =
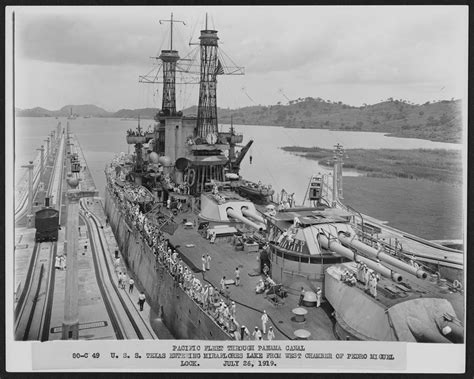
point(29, 216)
point(41, 163)
point(70, 326)
point(47, 148)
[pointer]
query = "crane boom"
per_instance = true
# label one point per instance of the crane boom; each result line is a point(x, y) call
point(242, 153)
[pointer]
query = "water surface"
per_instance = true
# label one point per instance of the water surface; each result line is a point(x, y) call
point(431, 210)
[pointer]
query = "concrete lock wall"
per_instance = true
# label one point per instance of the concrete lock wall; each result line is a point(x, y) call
point(182, 316)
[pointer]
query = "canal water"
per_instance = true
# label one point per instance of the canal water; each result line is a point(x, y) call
point(430, 210)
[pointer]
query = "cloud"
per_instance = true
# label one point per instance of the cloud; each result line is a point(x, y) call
point(304, 50)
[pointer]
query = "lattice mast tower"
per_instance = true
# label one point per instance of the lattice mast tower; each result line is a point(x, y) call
point(169, 59)
point(210, 68)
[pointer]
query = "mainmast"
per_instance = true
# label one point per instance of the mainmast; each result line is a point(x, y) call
point(210, 68)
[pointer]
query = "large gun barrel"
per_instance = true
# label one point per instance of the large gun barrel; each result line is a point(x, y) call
point(348, 253)
point(232, 213)
point(374, 253)
point(249, 214)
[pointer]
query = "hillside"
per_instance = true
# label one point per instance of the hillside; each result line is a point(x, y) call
point(83, 110)
point(77, 110)
point(440, 121)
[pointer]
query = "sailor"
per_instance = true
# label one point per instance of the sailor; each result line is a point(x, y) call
point(264, 321)
point(318, 297)
point(371, 283)
point(359, 271)
point(205, 296)
point(203, 260)
point(168, 203)
point(352, 279)
point(233, 327)
point(374, 285)
point(244, 333)
point(266, 269)
point(223, 284)
point(141, 300)
point(368, 272)
point(57, 262)
point(211, 292)
point(226, 317)
point(300, 302)
point(257, 334)
point(131, 282)
point(175, 255)
point(237, 276)
point(213, 237)
point(208, 262)
point(270, 334)
point(232, 309)
point(62, 262)
point(260, 286)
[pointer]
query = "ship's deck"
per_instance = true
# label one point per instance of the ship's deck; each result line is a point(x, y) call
point(250, 305)
point(390, 293)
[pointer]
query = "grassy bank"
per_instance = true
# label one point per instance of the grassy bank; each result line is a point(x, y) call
point(437, 165)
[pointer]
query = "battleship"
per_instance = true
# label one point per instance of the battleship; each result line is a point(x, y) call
point(220, 257)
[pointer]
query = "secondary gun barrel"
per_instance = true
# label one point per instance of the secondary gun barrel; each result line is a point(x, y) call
point(374, 253)
point(232, 213)
point(335, 245)
point(249, 214)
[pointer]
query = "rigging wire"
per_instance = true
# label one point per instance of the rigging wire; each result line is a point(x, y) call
point(244, 90)
point(194, 29)
point(266, 166)
point(167, 33)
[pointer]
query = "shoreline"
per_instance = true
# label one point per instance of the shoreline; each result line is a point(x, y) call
point(434, 165)
point(387, 134)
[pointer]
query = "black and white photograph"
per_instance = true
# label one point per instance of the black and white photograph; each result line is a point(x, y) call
point(236, 188)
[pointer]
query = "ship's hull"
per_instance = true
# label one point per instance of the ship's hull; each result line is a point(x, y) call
point(181, 315)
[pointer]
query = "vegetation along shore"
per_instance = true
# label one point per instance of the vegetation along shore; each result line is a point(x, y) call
point(437, 165)
point(435, 121)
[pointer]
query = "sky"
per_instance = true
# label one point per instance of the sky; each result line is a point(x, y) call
point(357, 55)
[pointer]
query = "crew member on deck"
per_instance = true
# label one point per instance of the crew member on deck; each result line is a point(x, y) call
point(237, 276)
point(264, 321)
point(300, 302)
point(257, 334)
point(318, 297)
point(270, 334)
point(203, 260)
point(223, 284)
point(208, 262)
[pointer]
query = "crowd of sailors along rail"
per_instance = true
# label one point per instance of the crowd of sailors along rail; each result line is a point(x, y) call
point(208, 297)
point(213, 301)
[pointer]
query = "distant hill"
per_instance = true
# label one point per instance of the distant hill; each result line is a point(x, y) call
point(83, 110)
point(145, 113)
point(439, 121)
point(77, 110)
